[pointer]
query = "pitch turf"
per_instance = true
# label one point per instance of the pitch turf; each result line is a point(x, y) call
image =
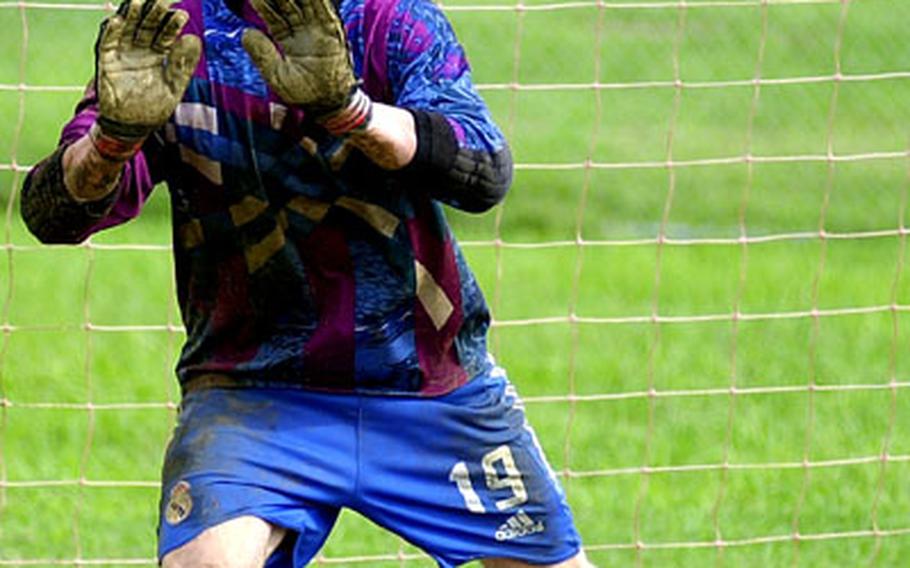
point(54, 291)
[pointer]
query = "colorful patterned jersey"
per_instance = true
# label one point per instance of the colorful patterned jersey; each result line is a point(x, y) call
point(298, 261)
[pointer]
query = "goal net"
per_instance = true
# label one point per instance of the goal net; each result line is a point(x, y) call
point(699, 284)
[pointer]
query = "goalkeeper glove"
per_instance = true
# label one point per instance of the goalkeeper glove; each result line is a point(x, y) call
point(142, 71)
point(315, 70)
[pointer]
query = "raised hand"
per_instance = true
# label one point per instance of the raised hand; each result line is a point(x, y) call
point(315, 70)
point(142, 67)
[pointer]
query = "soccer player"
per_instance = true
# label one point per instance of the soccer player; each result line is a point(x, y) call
point(336, 339)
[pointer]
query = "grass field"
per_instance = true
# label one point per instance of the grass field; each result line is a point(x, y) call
point(614, 353)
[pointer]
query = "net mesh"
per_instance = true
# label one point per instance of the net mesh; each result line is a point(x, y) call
point(704, 251)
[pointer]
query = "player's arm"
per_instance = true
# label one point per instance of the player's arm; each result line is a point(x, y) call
point(142, 69)
point(462, 157)
point(389, 139)
point(419, 133)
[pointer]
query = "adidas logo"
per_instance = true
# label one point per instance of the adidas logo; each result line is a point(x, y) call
point(518, 525)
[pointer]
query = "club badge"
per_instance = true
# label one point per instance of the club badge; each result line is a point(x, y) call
point(179, 503)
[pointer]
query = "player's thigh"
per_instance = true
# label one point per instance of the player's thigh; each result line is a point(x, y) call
point(578, 561)
point(243, 542)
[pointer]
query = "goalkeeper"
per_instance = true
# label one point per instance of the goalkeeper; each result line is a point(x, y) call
point(336, 339)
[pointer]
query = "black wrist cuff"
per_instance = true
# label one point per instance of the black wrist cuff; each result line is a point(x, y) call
point(436, 143)
point(51, 212)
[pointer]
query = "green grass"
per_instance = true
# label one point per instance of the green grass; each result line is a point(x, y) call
point(52, 292)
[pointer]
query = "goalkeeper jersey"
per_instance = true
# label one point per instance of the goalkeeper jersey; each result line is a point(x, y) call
point(298, 261)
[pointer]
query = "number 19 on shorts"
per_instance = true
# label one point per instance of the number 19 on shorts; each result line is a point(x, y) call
point(510, 479)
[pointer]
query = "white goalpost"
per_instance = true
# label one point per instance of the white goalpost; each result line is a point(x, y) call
point(698, 282)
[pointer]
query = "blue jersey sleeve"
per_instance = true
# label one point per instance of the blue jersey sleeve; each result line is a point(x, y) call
point(462, 155)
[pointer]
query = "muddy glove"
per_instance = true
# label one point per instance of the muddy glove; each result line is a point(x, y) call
point(142, 72)
point(315, 69)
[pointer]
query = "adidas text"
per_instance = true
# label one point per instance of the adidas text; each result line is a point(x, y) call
point(518, 525)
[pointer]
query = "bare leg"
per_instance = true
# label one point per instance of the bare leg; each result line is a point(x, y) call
point(244, 542)
point(577, 561)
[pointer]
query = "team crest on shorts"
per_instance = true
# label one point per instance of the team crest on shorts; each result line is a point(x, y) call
point(179, 503)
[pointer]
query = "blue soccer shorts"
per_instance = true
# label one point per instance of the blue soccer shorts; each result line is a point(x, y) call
point(461, 475)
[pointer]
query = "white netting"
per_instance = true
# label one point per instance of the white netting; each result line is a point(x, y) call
point(744, 399)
